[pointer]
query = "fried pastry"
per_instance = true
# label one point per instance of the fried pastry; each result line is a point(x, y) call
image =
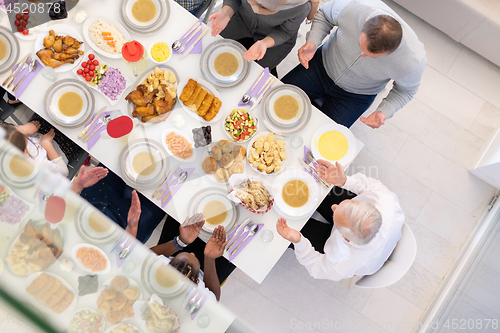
point(132, 293)
point(118, 302)
point(226, 160)
point(114, 317)
point(213, 110)
point(205, 105)
point(193, 96)
point(201, 96)
point(237, 167)
point(188, 90)
point(119, 283)
point(104, 306)
point(108, 294)
point(128, 309)
point(209, 165)
point(222, 175)
point(216, 153)
point(239, 153)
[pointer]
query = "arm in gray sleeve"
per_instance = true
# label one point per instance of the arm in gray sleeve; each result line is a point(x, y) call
point(402, 91)
point(289, 28)
point(234, 4)
point(325, 20)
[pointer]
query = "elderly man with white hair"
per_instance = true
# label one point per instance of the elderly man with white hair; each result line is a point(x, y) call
point(367, 227)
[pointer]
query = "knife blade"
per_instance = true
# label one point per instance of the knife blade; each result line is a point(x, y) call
point(262, 95)
point(22, 62)
point(313, 173)
point(192, 45)
point(85, 130)
point(242, 225)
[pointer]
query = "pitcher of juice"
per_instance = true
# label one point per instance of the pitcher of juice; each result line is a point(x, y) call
point(134, 55)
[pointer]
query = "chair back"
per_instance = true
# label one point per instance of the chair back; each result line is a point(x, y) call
point(396, 266)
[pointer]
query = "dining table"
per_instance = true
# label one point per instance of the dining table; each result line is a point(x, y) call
point(260, 255)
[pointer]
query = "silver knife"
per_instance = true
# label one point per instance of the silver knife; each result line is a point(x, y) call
point(242, 225)
point(85, 130)
point(192, 45)
point(24, 65)
point(308, 167)
point(22, 62)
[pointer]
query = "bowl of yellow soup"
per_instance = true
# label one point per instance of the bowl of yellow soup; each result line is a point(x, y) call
point(334, 143)
point(159, 52)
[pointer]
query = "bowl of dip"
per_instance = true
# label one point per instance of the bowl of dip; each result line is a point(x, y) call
point(159, 52)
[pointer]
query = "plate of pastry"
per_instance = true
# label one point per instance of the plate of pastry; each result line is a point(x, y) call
point(223, 159)
point(116, 299)
point(154, 96)
point(200, 100)
point(35, 249)
point(50, 293)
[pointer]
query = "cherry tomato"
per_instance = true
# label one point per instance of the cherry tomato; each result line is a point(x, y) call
point(84, 64)
point(84, 74)
point(96, 63)
point(88, 78)
point(91, 73)
point(18, 16)
point(26, 32)
point(92, 67)
point(86, 70)
point(26, 17)
point(91, 56)
point(79, 72)
point(20, 29)
point(24, 23)
point(17, 23)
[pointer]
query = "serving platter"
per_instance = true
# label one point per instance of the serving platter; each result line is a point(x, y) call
point(86, 30)
point(60, 87)
point(64, 30)
point(210, 73)
point(188, 138)
point(208, 87)
point(74, 251)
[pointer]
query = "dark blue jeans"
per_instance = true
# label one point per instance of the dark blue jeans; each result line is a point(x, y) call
point(341, 106)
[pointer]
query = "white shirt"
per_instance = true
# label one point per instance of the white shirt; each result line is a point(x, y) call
point(39, 154)
point(344, 259)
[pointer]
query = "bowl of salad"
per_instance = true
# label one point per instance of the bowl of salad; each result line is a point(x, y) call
point(240, 125)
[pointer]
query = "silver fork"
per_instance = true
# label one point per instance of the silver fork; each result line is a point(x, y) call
point(196, 306)
point(33, 65)
point(101, 123)
point(120, 245)
point(26, 64)
point(124, 252)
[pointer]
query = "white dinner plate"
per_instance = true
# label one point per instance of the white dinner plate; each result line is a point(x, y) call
point(86, 26)
point(351, 142)
point(294, 95)
point(7, 158)
point(43, 307)
point(284, 163)
point(300, 212)
point(80, 264)
point(148, 272)
point(208, 87)
point(85, 231)
point(143, 25)
point(13, 50)
point(187, 137)
point(162, 11)
point(63, 30)
point(110, 329)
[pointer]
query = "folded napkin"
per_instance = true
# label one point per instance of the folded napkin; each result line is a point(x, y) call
point(241, 236)
point(198, 47)
point(93, 140)
point(174, 185)
point(131, 240)
point(254, 92)
point(27, 80)
point(306, 150)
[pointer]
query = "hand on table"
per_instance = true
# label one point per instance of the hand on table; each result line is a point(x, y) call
point(47, 138)
point(134, 214)
point(256, 51)
point(375, 120)
point(219, 20)
point(216, 244)
point(306, 53)
point(189, 233)
point(286, 232)
point(30, 128)
point(334, 174)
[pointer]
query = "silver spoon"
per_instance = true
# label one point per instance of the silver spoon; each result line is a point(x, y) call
point(196, 306)
point(310, 157)
point(176, 46)
point(247, 97)
point(253, 230)
point(192, 301)
point(181, 179)
point(100, 123)
point(245, 229)
point(33, 65)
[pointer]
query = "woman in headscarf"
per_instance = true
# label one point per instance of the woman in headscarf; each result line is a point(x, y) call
point(267, 28)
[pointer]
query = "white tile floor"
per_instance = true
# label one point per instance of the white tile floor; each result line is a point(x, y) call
point(422, 154)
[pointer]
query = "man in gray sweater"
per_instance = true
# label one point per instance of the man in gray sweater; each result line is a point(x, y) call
point(371, 46)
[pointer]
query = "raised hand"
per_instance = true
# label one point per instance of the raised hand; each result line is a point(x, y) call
point(334, 174)
point(256, 51)
point(134, 214)
point(306, 53)
point(190, 232)
point(216, 244)
point(286, 232)
point(220, 20)
point(88, 178)
point(375, 120)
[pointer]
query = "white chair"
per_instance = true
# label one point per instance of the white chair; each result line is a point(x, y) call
point(396, 266)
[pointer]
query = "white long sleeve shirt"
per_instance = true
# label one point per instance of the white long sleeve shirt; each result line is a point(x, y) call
point(39, 154)
point(344, 259)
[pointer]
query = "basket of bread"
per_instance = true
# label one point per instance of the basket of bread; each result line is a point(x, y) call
point(251, 193)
